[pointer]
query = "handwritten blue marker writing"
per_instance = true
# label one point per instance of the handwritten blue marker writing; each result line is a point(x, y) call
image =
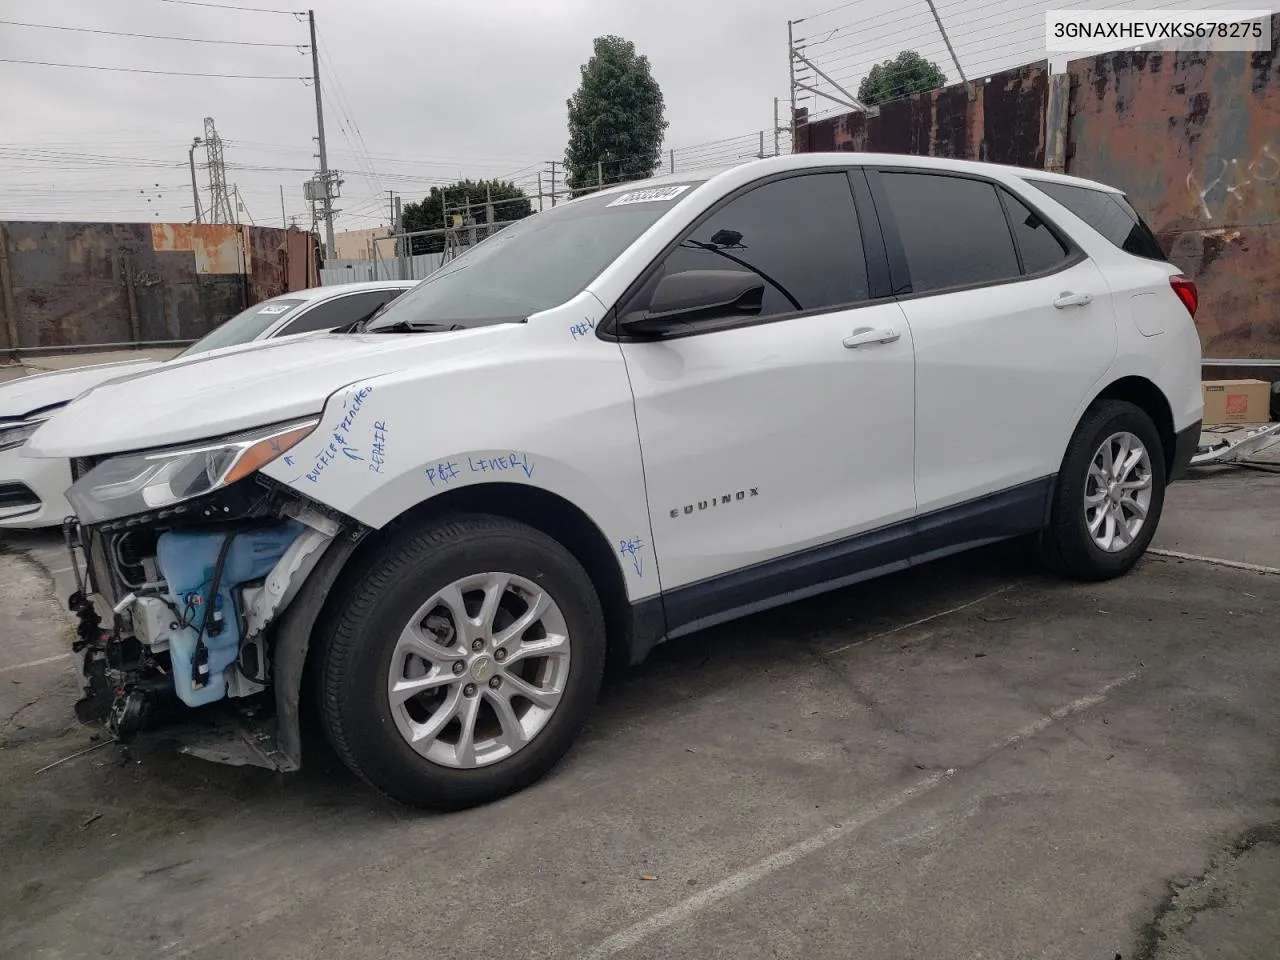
point(631, 547)
point(338, 444)
point(500, 464)
point(378, 450)
point(580, 330)
point(353, 403)
point(442, 474)
point(323, 459)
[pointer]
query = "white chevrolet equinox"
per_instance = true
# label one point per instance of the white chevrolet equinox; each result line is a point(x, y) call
point(652, 409)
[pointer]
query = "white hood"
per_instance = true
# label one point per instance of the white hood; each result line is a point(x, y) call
point(28, 394)
point(224, 391)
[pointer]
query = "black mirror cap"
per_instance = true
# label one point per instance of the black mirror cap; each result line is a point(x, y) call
point(698, 295)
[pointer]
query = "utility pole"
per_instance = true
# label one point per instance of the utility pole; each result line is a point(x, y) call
point(539, 191)
point(947, 40)
point(327, 195)
point(284, 221)
point(599, 174)
point(195, 191)
point(776, 129)
point(791, 73)
point(553, 183)
point(671, 158)
point(397, 225)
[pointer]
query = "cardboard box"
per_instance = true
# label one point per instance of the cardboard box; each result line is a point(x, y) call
point(1236, 401)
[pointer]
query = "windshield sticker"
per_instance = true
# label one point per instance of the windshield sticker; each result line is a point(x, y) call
point(276, 308)
point(652, 195)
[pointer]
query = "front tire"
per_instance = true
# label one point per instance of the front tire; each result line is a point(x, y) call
point(1109, 494)
point(462, 663)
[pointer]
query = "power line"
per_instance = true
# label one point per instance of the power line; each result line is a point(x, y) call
point(227, 6)
point(167, 73)
point(150, 36)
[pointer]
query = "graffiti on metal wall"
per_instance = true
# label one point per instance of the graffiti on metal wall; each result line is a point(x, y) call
point(1241, 183)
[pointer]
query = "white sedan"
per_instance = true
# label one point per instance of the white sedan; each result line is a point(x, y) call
point(31, 491)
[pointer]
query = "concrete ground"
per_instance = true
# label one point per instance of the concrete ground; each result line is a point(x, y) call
point(971, 759)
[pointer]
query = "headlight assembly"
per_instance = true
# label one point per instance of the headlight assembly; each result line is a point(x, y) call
point(16, 434)
point(138, 482)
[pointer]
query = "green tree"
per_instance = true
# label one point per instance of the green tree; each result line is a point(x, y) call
point(905, 74)
point(509, 203)
point(615, 117)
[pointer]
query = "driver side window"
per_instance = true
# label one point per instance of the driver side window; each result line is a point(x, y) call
point(798, 235)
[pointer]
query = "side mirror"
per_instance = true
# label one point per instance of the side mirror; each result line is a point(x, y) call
point(698, 295)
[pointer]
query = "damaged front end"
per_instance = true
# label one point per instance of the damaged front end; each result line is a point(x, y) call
point(201, 608)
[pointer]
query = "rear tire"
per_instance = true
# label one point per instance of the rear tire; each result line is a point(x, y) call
point(1109, 494)
point(472, 613)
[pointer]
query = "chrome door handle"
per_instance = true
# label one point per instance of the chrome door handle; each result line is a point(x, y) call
point(1069, 299)
point(865, 335)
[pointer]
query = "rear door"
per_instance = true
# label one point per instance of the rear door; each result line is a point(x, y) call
point(1013, 327)
point(766, 435)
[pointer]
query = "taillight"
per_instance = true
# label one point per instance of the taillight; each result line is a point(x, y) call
point(1185, 288)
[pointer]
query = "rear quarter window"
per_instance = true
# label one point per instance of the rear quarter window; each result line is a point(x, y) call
point(1108, 213)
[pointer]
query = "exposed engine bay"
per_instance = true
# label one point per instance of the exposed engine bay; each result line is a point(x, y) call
point(177, 609)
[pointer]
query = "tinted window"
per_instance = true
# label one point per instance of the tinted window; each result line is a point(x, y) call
point(953, 230)
point(538, 262)
point(1040, 249)
point(244, 326)
point(339, 312)
point(1108, 213)
point(799, 235)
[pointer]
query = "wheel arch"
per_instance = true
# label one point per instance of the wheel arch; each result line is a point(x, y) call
point(549, 513)
point(1148, 397)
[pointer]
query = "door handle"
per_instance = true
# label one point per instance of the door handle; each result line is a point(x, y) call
point(1069, 299)
point(865, 335)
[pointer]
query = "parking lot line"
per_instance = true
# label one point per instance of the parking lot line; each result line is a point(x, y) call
point(35, 663)
point(736, 882)
point(915, 623)
point(1216, 561)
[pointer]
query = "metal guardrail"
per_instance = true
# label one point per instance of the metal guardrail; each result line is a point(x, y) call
point(19, 352)
point(1219, 362)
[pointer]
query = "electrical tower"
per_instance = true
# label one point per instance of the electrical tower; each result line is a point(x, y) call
point(219, 201)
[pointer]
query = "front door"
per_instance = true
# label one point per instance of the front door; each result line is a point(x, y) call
point(765, 436)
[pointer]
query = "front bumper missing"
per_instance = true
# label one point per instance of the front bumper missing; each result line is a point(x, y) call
point(239, 732)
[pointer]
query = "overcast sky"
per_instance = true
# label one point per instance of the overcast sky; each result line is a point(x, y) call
point(416, 92)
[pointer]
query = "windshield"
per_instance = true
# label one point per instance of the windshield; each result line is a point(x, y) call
point(534, 264)
point(244, 326)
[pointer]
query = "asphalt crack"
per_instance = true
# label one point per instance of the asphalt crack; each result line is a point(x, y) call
point(1189, 897)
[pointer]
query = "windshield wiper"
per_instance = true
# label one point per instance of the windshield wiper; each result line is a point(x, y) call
point(361, 323)
point(409, 326)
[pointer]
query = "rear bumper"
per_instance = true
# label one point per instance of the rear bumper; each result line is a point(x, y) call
point(1185, 443)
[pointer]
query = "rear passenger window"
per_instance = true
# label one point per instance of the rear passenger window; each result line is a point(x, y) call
point(953, 230)
point(800, 235)
point(1108, 213)
point(339, 312)
point(1040, 249)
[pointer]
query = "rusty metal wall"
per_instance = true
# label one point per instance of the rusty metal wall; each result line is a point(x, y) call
point(73, 284)
point(1000, 119)
point(1194, 138)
